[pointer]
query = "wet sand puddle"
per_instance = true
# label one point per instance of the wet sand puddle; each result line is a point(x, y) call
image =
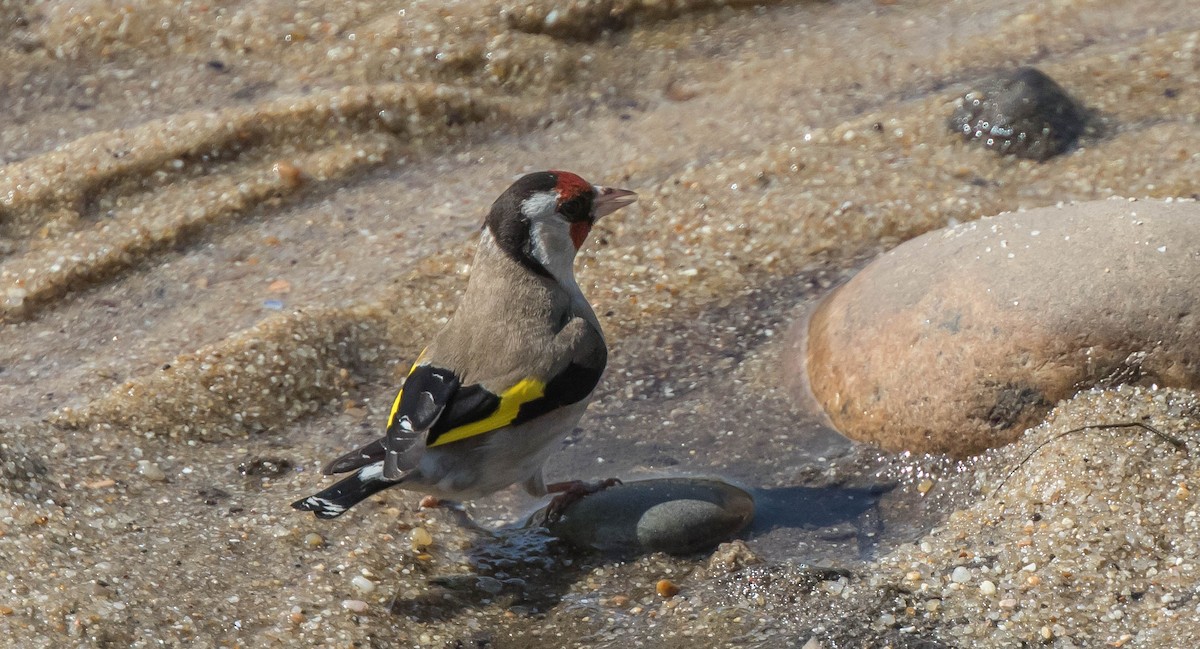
point(225, 233)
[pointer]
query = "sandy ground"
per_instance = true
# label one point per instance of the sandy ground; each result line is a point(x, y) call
point(226, 228)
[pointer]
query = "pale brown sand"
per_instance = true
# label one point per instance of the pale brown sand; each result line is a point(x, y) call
point(284, 227)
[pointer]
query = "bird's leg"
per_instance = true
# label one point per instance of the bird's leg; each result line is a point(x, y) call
point(571, 492)
point(457, 511)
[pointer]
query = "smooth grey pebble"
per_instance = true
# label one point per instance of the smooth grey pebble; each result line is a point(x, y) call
point(672, 515)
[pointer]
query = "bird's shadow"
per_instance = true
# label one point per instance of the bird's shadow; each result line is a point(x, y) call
point(527, 571)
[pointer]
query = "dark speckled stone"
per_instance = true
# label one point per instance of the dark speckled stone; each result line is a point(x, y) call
point(1025, 114)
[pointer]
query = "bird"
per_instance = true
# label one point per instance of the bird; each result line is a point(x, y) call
point(511, 372)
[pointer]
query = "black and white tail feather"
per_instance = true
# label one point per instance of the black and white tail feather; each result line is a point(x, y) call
point(348, 492)
point(386, 461)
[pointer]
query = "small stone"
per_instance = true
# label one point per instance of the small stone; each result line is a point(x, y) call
point(571, 21)
point(987, 588)
point(924, 486)
point(960, 575)
point(362, 584)
point(314, 540)
point(678, 90)
point(15, 297)
point(289, 173)
point(279, 286)
point(354, 605)
point(421, 538)
point(6, 610)
point(212, 495)
point(1046, 633)
point(666, 588)
point(489, 585)
point(151, 471)
point(1024, 113)
point(732, 556)
point(265, 467)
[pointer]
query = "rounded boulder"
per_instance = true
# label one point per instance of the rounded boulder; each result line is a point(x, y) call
point(956, 341)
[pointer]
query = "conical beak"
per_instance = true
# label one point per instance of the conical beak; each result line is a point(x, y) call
point(611, 199)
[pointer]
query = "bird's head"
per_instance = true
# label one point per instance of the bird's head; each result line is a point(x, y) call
point(544, 218)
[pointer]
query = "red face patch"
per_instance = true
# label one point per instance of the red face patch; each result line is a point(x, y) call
point(579, 233)
point(569, 185)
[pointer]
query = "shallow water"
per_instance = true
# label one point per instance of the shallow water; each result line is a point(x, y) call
point(226, 230)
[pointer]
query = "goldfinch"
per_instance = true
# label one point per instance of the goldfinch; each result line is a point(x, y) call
point(512, 371)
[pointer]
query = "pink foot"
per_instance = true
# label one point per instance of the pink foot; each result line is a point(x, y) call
point(570, 493)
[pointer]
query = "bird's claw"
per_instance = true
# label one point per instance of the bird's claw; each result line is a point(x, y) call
point(570, 493)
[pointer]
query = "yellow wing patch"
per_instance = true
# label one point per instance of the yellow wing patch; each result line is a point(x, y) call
point(510, 404)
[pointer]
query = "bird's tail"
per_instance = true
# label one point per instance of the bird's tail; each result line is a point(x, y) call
point(347, 492)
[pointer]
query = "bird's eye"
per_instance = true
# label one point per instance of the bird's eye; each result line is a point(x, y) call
point(576, 209)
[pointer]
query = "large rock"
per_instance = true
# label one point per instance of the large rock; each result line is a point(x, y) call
point(958, 340)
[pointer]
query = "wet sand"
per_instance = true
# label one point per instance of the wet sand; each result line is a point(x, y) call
point(226, 230)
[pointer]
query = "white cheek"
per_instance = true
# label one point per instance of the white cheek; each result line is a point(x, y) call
point(553, 248)
point(539, 204)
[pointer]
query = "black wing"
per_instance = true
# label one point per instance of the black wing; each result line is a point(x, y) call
point(469, 404)
point(417, 408)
